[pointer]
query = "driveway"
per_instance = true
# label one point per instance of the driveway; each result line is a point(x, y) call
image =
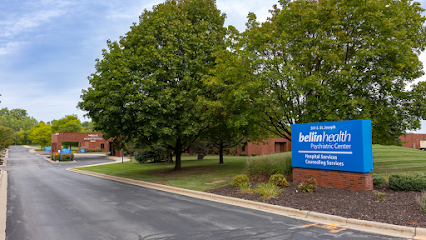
point(47, 202)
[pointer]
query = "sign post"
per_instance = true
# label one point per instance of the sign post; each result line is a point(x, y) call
point(318, 149)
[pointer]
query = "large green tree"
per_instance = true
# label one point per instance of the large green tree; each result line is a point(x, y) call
point(68, 123)
point(233, 119)
point(337, 60)
point(24, 136)
point(6, 137)
point(16, 119)
point(148, 85)
point(41, 134)
point(87, 126)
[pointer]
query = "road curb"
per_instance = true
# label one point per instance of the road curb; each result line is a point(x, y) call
point(3, 204)
point(57, 162)
point(388, 229)
point(354, 224)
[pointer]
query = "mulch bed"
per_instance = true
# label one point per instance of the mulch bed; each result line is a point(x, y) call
point(399, 207)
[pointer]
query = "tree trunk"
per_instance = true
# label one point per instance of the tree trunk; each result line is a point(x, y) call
point(178, 161)
point(170, 155)
point(221, 153)
point(178, 152)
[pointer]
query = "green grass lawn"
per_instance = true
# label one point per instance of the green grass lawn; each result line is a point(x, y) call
point(196, 174)
point(207, 174)
point(392, 159)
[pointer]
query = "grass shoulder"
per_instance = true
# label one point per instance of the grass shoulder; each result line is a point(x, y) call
point(196, 174)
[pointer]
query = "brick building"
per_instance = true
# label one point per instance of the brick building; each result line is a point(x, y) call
point(412, 140)
point(271, 146)
point(85, 140)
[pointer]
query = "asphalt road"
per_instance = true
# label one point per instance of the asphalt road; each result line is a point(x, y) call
point(46, 202)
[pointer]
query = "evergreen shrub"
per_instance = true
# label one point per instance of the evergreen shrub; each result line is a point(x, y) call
point(408, 182)
point(378, 179)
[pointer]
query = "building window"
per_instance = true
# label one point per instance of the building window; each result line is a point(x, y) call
point(102, 146)
point(281, 147)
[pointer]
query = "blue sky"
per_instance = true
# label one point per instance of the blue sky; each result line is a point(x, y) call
point(49, 47)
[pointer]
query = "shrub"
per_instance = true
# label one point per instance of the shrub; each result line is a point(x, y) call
point(378, 196)
point(67, 157)
point(140, 157)
point(267, 190)
point(278, 180)
point(243, 154)
point(55, 158)
point(97, 149)
point(233, 151)
point(421, 200)
point(308, 186)
point(262, 167)
point(253, 154)
point(408, 182)
point(378, 179)
point(201, 147)
point(239, 180)
point(89, 150)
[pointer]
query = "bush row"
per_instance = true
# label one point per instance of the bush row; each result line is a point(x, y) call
point(408, 182)
point(65, 157)
point(93, 150)
point(267, 190)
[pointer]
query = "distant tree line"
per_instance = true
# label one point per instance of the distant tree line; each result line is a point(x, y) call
point(17, 128)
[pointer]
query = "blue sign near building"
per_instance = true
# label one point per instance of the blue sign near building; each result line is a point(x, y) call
point(342, 146)
point(48, 149)
point(66, 151)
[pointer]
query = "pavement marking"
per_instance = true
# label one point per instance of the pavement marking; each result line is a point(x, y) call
point(333, 227)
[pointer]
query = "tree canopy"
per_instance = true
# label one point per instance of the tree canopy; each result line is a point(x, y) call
point(148, 85)
point(6, 137)
point(332, 60)
point(68, 123)
point(41, 134)
point(17, 119)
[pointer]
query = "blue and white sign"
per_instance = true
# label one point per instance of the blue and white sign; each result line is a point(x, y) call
point(66, 151)
point(48, 149)
point(342, 146)
point(83, 150)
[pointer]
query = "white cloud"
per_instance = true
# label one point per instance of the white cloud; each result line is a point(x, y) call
point(9, 47)
point(15, 26)
point(18, 25)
